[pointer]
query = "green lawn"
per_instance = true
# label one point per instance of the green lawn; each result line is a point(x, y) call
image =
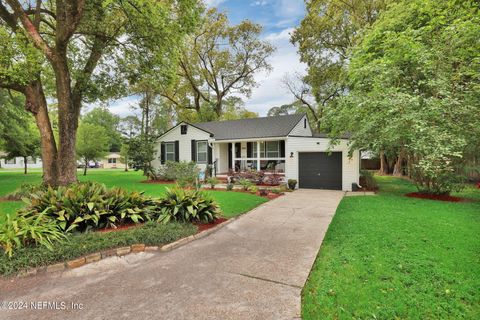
point(393, 257)
point(231, 203)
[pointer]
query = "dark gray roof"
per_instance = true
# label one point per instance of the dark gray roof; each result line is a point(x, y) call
point(278, 126)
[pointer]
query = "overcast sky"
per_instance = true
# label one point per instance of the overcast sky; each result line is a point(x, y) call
point(278, 18)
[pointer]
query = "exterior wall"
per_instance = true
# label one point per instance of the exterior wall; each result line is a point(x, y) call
point(350, 166)
point(19, 164)
point(116, 165)
point(299, 129)
point(185, 144)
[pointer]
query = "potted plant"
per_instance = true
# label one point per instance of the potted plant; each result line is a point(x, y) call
point(292, 183)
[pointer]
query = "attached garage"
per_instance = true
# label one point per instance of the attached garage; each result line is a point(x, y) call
point(320, 170)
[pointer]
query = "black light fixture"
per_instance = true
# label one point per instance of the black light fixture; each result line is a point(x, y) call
point(291, 154)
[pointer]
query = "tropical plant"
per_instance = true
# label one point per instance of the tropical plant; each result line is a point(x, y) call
point(24, 191)
point(245, 183)
point(187, 206)
point(86, 206)
point(213, 181)
point(24, 230)
point(229, 186)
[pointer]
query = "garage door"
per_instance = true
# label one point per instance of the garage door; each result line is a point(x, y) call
point(320, 170)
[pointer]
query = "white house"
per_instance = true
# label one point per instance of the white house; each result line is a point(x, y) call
point(19, 162)
point(284, 144)
point(112, 161)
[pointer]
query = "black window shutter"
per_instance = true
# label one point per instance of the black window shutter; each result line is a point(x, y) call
point(162, 153)
point(282, 148)
point(209, 154)
point(249, 150)
point(177, 149)
point(230, 156)
point(238, 150)
point(194, 150)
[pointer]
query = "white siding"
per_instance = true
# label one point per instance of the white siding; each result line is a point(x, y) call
point(19, 163)
point(300, 130)
point(185, 143)
point(350, 166)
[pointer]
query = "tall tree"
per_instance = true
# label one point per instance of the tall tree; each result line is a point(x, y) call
point(92, 143)
point(415, 87)
point(85, 50)
point(101, 116)
point(220, 60)
point(325, 37)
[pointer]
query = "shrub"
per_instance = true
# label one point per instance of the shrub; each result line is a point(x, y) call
point(263, 192)
point(213, 181)
point(255, 177)
point(273, 179)
point(437, 175)
point(245, 183)
point(367, 180)
point(81, 244)
point(90, 205)
point(24, 191)
point(25, 230)
point(187, 206)
point(230, 187)
point(184, 172)
point(292, 183)
point(253, 189)
point(276, 191)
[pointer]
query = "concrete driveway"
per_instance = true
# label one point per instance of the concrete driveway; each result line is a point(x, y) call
point(254, 268)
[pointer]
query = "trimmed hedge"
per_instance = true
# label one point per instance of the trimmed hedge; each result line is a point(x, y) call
point(78, 245)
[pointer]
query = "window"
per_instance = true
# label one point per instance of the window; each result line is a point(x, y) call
point(31, 160)
point(272, 149)
point(305, 123)
point(170, 151)
point(202, 150)
point(10, 161)
point(112, 160)
point(183, 129)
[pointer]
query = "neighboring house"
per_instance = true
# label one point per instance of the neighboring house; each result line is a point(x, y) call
point(284, 144)
point(112, 161)
point(19, 162)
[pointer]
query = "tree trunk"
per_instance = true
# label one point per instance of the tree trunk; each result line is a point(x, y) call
point(383, 164)
point(36, 103)
point(85, 168)
point(24, 165)
point(68, 113)
point(397, 169)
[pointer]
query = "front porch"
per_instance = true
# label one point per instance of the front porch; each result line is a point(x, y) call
point(258, 155)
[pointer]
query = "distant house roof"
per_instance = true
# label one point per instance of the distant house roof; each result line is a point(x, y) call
point(326, 135)
point(113, 155)
point(277, 126)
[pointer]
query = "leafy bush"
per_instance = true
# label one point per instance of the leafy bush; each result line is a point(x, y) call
point(187, 206)
point(367, 180)
point(437, 175)
point(85, 206)
point(255, 177)
point(245, 183)
point(230, 187)
point(184, 172)
point(253, 189)
point(77, 245)
point(24, 191)
point(276, 191)
point(213, 181)
point(292, 183)
point(273, 179)
point(25, 230)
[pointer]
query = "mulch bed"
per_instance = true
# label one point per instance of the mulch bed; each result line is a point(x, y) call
point(204, 226)
point(120, 228)
point(439, 197)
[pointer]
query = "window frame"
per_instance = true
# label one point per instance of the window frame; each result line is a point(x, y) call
point(167, 153)
point(197, 151)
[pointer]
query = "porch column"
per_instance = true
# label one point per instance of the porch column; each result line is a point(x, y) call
point(233, 156)
point(258, 155)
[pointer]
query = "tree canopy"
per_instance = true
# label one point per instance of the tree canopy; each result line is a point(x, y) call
point(414, 81)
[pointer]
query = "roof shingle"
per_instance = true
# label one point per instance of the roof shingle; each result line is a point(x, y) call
point(277, 126)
